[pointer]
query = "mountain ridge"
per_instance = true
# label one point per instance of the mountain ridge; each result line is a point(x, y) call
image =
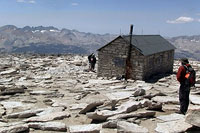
point(49, 39)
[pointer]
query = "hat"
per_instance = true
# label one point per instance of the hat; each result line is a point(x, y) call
point(184, 60)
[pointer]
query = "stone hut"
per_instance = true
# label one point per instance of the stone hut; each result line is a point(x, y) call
point(150, 55)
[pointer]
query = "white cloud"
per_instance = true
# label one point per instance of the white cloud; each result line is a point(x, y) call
point(32, 2)
point(27, 1)
point(181, 20)
point(74, 4)
point(199, 20)
point(21, 1)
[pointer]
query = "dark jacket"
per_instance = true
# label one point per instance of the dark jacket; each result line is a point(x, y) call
point(92, 58)
point(181, 73)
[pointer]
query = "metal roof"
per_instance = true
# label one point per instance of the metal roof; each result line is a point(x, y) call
point(149, 44)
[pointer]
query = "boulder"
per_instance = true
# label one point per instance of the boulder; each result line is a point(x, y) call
point(126, 127)
point(48, 126)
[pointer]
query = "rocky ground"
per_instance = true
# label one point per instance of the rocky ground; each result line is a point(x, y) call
point(56, 94)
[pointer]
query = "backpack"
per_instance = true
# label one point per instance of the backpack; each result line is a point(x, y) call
point(190, 76)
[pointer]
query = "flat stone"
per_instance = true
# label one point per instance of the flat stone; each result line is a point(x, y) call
point(3, 124)
point(170, 107)
point(118, 87)
point(176, 126)
point(48, 117)
point(101, 115)
point(163, 84)
point(90, 128)
point(195, 99)
point(166, 99)
point(126, 127)
point(141, 114)
point(139, 92)
point(118, 95)
point(163, 80)
point(103, 82)
point(8, 72)
point(2, 111)
point(13, 104)
point(126, 107)
point(14, 129)
point(110, 124)
point(155, 106)
point(197, 85)
point(3, 81)
point(25, 114)
point(60, 103)
point(171, 117)
point(50, 110)
point(43, 77)
point(91, 106)
point(78, 106)
point(42, 92)
point(193, 118)
point(48, 126)
point(13, 90)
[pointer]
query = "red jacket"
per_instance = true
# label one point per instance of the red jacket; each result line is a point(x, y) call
point(181, 73)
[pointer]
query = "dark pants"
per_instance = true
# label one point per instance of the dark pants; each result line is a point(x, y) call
point(92, 66)
point(184, 92)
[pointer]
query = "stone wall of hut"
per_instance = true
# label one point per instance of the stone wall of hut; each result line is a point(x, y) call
point(112, 61)
point(159, 63)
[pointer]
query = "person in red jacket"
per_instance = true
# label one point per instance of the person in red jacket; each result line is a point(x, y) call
point(184, 89)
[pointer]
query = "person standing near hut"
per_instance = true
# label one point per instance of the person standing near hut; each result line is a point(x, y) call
point(92, 62)
point(184, 89)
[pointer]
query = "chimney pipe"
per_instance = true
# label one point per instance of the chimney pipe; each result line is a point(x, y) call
point(131, 29)
point(128, 59)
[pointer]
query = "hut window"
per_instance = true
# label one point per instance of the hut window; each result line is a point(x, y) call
point(137, 63)
point(119, 62)
point(151, 63)
point(169, 55)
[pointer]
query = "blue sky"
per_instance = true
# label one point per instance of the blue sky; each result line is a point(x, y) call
point(165, 17)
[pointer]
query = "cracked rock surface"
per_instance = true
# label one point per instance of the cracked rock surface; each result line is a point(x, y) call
point(49, 93)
